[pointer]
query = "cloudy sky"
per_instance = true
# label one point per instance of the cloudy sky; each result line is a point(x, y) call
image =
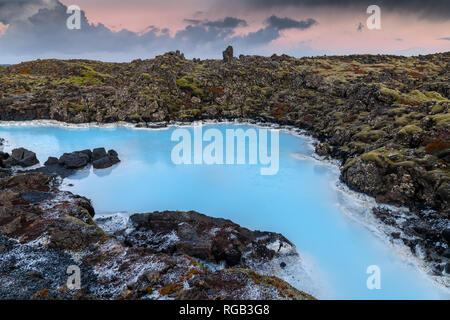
point(117, 30)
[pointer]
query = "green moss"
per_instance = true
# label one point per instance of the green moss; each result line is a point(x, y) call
point(191, 85)
point(414, 97)
point(409, 119)
point(371, 135)
point(349, 163)
point(267, 91)
point(396, 111)
point(442, 120)
point(381, 158)
point(76, 108)
point(88, 76)
point(375, 156)
point(433, 95)
point(410, 129)
point(437, 109)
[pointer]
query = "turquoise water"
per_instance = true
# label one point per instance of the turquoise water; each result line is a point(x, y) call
point(301, 201)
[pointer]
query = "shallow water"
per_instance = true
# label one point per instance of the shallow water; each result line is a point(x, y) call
point(301, 202)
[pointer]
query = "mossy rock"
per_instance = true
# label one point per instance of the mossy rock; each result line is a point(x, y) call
point(191, 85)
point(442, 120)
point(414, 98)
point(438, 108)
point(410, 129)
point(371, 135)
point(381, 158)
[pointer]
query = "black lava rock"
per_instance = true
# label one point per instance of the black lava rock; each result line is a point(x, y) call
point(98, 154)
point(74, 160)
point(51, 161)
point(21, 157)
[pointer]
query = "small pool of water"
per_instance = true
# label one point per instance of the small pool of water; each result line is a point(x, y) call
point(301, 202)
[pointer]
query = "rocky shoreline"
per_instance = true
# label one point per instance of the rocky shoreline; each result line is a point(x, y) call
point(385, 118)
point(160, 255)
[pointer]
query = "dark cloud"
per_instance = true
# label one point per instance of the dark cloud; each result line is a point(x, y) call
point(445, 38)
point(193, 21)
point(14, 10)
point(430, 9)
point(228, 22)
point(43, 34)
point(287, 23)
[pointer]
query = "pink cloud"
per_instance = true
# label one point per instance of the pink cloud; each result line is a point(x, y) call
point(336, 32)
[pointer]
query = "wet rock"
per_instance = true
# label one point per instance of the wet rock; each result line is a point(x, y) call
point(21, 157)
point(105, 162)
point(74, 160)
point(88, 153)
point(51, 161)
point(98, 154)
point(108, 160)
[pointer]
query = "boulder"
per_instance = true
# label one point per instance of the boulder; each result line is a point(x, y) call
point(103, 163)
point(74, 160)
point(98, 153)
point(88, 153)
point(110, 159)
point(21, 157)
point(51, 161)
point(323, 149)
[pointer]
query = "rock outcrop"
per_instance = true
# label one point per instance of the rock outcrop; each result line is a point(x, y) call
point(228, 54)
point(205, 238)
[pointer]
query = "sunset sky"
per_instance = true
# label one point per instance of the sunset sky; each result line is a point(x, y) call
point(116, 30)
